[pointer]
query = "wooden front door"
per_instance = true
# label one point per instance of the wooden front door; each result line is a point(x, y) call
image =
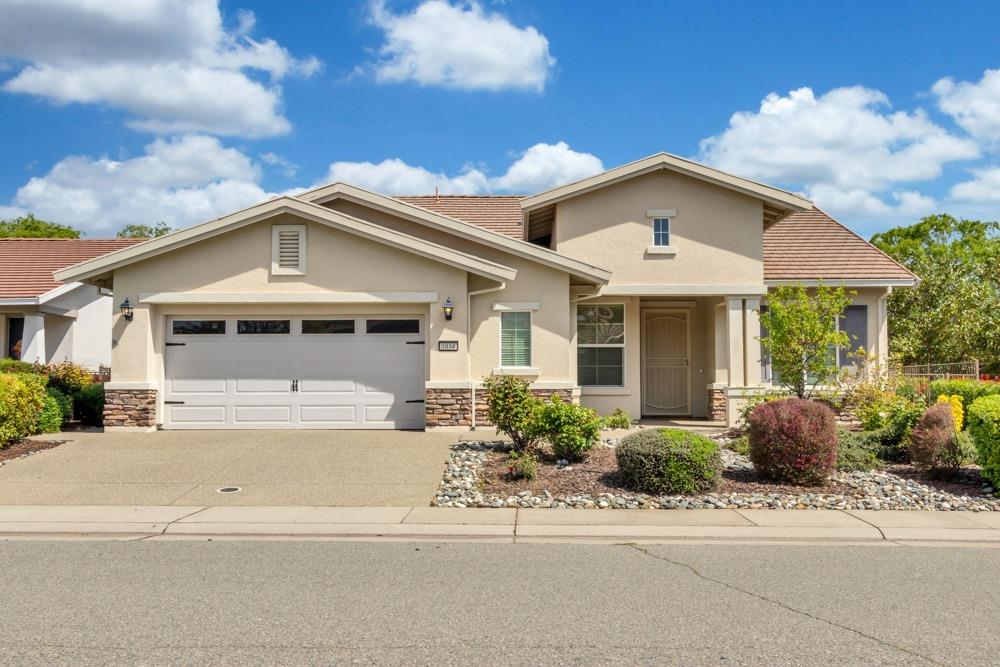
point(666, 368)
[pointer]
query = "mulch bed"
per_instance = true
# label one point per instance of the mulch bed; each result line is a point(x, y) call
point(19, 448)
point(598, 474)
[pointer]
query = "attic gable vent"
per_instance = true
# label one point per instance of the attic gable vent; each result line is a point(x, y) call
point(288, 250)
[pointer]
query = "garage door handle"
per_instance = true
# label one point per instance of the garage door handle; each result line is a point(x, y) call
point(416, 400)
point(414, 342)
point(173, 402)
point(175, 344)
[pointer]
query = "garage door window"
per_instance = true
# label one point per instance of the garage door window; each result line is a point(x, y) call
point(199, 327)
point(263, 326)
point(392, 326)
point(327, 326)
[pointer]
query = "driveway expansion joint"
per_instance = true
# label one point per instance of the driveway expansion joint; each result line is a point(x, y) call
point(778, 603)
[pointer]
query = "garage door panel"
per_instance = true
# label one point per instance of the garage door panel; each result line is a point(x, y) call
point(201, 415)
point(200, 385)
point(255, 414)
point(328, 414)
point(262, 385)
point(346, 387)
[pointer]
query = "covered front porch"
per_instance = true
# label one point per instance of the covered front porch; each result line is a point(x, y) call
point(668, 357)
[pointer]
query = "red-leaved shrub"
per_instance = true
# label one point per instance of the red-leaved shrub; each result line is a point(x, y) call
point(793, 440)
point(931, 436)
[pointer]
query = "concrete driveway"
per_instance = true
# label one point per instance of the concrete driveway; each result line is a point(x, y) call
point(392, 468)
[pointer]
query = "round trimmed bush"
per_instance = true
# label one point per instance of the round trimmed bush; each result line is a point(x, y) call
point(793, 440)
point(668, 460)
point(88, 405)
point(931, 436)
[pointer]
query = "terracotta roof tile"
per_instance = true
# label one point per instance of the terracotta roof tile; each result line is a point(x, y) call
point(810, 245)
point(26, 265)
point(498, 213)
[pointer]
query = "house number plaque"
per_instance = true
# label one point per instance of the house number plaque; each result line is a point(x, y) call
point(447, 346)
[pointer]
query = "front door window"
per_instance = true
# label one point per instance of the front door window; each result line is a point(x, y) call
point(15, 336)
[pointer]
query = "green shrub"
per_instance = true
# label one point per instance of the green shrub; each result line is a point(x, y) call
point(740, 445)
point(50, 419)
point(513, 410)
point(22, 397)
point(88, 405)
point(522, 465)
point(571, 429)
point(969, 390)
point(793, 440)
point(15, 366)
point(984, 426)
point(65, 404)
point(69, 378)
point(857, 451)
point(959, 451)
point(668, 461)
point(619, 419)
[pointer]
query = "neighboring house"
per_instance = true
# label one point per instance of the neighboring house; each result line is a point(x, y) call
point(43, 320)
point(637, 288)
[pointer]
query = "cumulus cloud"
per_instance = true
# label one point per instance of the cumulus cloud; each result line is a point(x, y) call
point(173, 66)
point(460, 46)
point(845, 149)
point(974, 106)
point(181, 181)
point(983, 187)
point(541, 167)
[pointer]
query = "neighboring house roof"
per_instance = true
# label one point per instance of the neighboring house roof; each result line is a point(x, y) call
point(306, 210)
point(26, 265)
point(812, 246)
point(777, 202)
point(498, 213)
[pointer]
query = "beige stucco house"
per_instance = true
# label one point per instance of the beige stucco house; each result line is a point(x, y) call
point(637, 288)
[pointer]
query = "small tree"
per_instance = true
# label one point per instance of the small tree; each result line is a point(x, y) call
point(802, 335)
point(137, 231)
point(513, 410)
point(31, 227)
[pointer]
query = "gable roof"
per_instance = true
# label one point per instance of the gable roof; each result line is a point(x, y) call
point(473, 232)
point(497, 213)
point(299, 208)
point(812, 246)
point(777, 201)
point(26, 265)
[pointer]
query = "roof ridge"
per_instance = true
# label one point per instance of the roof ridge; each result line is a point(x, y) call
point(49, 238)
point(441, 196)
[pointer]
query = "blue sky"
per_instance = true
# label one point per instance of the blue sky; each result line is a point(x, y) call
point(157, 110)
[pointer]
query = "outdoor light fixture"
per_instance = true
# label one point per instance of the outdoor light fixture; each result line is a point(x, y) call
point(126, 309)
point(449, 308)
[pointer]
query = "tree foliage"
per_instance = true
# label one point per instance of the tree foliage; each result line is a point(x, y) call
point(30, 227)
point(952, 315)
point(802, 336)
point(137, 231)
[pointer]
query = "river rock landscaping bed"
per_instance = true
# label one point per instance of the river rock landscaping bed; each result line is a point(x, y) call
point(476, 477)
point(26, 447)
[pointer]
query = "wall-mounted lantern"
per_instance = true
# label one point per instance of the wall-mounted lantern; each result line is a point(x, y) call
point(449, 308)
point(126, 309)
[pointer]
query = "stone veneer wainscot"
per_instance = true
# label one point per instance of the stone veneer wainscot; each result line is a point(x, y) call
point(451, 407)
point(130, 407)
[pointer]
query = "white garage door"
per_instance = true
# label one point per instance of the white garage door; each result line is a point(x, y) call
point(294, 372)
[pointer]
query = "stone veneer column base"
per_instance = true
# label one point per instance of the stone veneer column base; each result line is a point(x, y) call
point(717, 404)
point(131, 409)
point(451, 407)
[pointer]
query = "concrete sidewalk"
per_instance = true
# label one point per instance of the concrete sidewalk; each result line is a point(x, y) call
point(504, 525)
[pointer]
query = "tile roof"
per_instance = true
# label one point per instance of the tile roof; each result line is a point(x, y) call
point(26, 265)
point(498, 213)
point(810, 245)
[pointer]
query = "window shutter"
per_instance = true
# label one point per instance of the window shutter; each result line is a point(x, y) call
point(288, 249)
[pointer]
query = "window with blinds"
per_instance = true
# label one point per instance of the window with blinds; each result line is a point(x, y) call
point(288, 250)
point(600, 345)
point(515, 339)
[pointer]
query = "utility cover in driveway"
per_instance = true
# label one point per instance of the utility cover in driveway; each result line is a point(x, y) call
point(294, 372)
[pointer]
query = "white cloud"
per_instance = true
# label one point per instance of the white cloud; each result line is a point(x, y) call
point(974, 106)
point(172, 65)
point(181, 181)
point(283, 164)
point(460, 46)
point(845, 149)
point(984, 187)
point(541, 167)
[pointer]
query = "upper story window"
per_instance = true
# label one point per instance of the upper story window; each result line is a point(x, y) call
point(661, 232)
point(288, 250)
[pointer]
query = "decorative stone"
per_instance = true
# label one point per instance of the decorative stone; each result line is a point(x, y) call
point(130, 407)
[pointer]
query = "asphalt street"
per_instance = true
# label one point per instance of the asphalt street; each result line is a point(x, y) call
point(304, 603)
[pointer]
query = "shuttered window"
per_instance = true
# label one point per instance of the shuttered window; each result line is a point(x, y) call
point(515, 339)
point(288, 250)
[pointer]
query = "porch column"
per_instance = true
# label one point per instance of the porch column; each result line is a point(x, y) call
point(33, 340)
point(734, 333)
point(751, 340)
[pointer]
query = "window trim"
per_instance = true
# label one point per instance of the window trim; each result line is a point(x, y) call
point(278, 270)
point(531, 343)
point(659, 233)
point(667, 214)
point(623, 345)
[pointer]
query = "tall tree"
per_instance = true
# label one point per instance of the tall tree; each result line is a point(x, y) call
point(137, 231)
point(954, 314)
point(802, 335)
point(31, 227)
